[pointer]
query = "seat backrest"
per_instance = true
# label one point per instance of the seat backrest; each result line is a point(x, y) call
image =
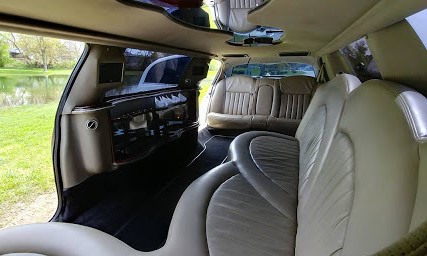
point(265, 96)
point(369, 191)
point(234, 96)
point(295, 93)
point(319, 125)
point(233, 14)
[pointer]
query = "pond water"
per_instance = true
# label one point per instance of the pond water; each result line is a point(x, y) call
point(25, 90)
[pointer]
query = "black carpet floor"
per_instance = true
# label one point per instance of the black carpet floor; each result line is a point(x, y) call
point(141, 217)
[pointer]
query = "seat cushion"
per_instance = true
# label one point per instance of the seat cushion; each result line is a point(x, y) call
point(268, 161)
point(241, 222)
point(226, 121)
point(282, 125)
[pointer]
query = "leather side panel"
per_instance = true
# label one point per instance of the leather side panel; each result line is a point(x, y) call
point(218, 98)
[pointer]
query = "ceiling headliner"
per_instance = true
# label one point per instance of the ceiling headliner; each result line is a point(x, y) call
point(311, 25)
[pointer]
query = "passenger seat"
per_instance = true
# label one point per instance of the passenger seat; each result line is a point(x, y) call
point(232, 103)
point(294, 96)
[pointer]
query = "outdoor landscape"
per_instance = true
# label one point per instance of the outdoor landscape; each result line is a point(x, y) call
point(33, 73)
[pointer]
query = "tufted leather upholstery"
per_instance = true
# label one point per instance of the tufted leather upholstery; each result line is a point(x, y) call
point(241, 102)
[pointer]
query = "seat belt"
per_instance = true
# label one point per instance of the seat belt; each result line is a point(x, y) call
point(321, 77)
point(413, 244)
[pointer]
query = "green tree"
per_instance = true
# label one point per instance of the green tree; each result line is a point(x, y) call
point(4, 53)
point(42, 50)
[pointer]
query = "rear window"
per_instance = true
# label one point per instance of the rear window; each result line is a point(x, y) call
point(273, 70)
point(360, 59)
point(149, 71)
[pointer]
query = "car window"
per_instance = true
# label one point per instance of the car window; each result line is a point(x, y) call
point(273, 70)
point(360, 59)
point(418, 22)
point(149, 71)
point(34, 71)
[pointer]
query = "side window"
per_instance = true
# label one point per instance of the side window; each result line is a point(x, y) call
point(34, 71)
point(360, 59)
point(418, 22)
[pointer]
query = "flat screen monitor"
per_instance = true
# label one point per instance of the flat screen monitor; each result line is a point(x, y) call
point(110, 73)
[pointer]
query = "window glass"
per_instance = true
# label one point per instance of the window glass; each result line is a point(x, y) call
point(360, 59)
point(34, 71)
point(273, 70)
point(148, 71)
point(418, 22)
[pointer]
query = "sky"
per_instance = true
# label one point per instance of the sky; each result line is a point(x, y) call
point(419, 23)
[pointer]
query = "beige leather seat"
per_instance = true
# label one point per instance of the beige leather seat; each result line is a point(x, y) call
point(233, 14)
point(358, 191)
point(294, 96)
point(264, 104)
point(241, 102)
point(232, 103)
point(274, 170)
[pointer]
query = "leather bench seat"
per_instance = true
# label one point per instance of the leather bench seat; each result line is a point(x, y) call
point(335, 213)
point(242, 102)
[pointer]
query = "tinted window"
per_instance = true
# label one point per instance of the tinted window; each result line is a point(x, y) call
point(273, 70)
point(31, 86)
point(148, 71)
point(360, 59)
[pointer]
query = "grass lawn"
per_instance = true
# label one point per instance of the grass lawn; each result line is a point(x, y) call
point(33, 72)
point(25, 153)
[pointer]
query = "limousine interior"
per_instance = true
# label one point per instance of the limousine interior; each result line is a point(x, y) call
point(310, 140)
